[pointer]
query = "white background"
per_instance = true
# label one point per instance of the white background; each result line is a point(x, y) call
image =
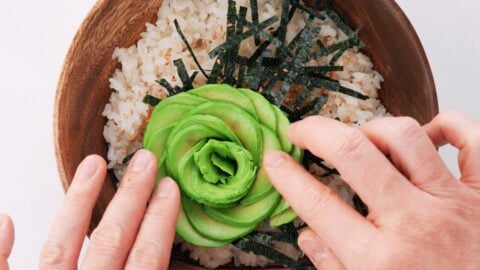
point(35, 36)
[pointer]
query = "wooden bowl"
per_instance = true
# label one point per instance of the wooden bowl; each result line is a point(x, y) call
point(83, 89)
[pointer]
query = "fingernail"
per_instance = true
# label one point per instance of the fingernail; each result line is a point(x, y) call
point(274, 159)
point(165, 188)
point(313, 249)
point(140, 161)
point(88, 167)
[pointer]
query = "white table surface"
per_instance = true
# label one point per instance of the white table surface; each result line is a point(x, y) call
point(35, 36)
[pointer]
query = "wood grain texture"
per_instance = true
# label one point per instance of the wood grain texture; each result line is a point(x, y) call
point(83, 88)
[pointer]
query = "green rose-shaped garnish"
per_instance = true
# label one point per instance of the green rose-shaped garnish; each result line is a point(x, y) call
point(211, 140)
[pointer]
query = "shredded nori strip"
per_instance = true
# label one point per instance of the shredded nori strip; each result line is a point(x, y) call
point(113, 177)
point(167, 85)
point(129, 157)
point(267, 238)
point(231, 52)
point(269, 37)
point(329, 84)
point(184, 39)
point(151, 100)
point(252, 30)
point(276, 256)
point(339, 22)
point(309, 158)
point(282, 29)
point(194, 75)
point(302, 56)
point(308, 10)
point(319, 103)
point(300, 99)
point(240, 25)
point(258, 53)
point(360, 205)
point(255, 20)
point(216, 70)
point(241, 74)
point(314, 71)
point(183, 74)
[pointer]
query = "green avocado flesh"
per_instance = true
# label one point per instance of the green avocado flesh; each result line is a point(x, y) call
point(211, 140)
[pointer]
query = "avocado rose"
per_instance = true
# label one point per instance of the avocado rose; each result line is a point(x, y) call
point(211, 140)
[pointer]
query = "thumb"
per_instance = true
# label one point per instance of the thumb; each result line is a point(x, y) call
point(6, 240)
point(318, 252)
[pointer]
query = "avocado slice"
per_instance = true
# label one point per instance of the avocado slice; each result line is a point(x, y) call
point(225, 93)
point(265, 112)
point(297, 153)
point(246, 128)
point(262, 186)
point(281, 207)
point(184, 98)
point(285, 217)
point(157, 144)
point(245, 215)
point(211, 228)
point(164, 117)
point(189, 234)
point(282, 129)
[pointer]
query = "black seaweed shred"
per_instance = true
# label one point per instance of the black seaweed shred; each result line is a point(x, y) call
point(231, 52)
point(151, 100)
point(308, 10)
point(264, 250)
point(255, 20)
point(253, 29)
point(360, 205)
point(184, 39)
point(129, 157)
point(183, 74)
point(282, 29)
point(167, 86)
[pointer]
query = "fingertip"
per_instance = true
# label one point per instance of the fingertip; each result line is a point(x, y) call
point(167, 188)
point(90, 167)
point(274, 158)
point(7, 235)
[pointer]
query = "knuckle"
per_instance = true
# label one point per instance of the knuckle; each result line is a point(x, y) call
point(407, 127)
point(349, 144)
point(315, 199)
point(54, 254)
point(76, 200)
point(109, 240)
point(148, 254)
point(128, 189)
point(157, 213)
point(287, 170)
point(450, 114)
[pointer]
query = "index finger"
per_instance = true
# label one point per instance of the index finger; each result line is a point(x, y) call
point(327, 214)
point(361, 164)
point(68, 231)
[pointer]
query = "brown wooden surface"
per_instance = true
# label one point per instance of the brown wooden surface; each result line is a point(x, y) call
point(83, 89)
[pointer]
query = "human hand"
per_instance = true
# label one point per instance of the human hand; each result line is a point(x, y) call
point(7, 235)
point(420, 215)
point(130, 235)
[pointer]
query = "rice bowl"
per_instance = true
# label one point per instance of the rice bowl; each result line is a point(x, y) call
point(338, 106)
